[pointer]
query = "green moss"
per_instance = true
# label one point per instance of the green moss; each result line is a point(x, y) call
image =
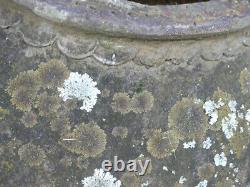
point(31, 154)
point(142, 102)
point(162, 144)
point(53, 73)
point(187, 119)
point(88, 140)
point(121, 103)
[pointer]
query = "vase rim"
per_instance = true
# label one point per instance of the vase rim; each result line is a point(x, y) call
point(122, 18)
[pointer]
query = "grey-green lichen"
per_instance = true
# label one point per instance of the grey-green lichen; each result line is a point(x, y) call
point(53, 73)
point(142, 102)
point(47, 105)
point(224, 183)
point(24, 88)
point(120, 132)
point(206, 171)
point(130, 179)
point(31, 154)
point(3, 113)
point(29, 119)
point(241, 139)
point(162, 144)
point(60, 124)
point(88, 140)
point(82, 162)
point(27, 80)
point(223, 97)
point(245, 81)
point(121, 103)
point(22, 99)
point(187, 119)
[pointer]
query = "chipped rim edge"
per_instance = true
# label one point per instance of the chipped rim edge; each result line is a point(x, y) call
point(128, 19)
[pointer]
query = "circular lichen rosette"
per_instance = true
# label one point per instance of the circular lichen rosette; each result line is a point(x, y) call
point(29, 119)
point(47, 104)
point(88, 140)
point(142, 102)
point(120, 132)
point(162, 144)
point(22, 99)
point(23, 90)
point(27, 80)
point(187, 119)
point(53, 73)
point(31, 154)
point(121, 103)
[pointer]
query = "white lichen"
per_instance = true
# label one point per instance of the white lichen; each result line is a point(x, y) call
point(82, 87)
point(232, 105)
point(182, 180)
point(202, 184)
point(101, 179)
point(187, 145)
point(236, 170)
point(165, 168)
point(207, 143)
point(231, 165)
point(220, 159)
point(229, 125)
point(247, 116)
point(241, 115)
point(145, 184)
point(210, 108)
point(231, 152)
point(197, 101)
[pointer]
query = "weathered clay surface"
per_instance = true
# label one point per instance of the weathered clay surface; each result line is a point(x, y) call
point(174, 73)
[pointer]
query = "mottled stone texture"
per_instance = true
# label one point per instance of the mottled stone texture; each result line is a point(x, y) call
point(147, 86)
